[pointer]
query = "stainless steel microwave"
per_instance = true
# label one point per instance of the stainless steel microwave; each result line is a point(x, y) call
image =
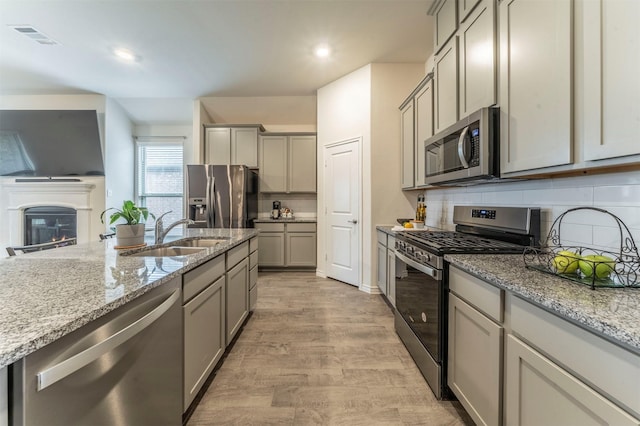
point(466, 152)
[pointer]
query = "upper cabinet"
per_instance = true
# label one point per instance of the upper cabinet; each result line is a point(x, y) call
point(465, 67)
point(288, 163)
point(535, 84)
point(232, 145)
point(446, 23)
point(610, 59)
point(416, 115)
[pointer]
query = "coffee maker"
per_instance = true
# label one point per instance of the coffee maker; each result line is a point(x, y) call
point(275, 213)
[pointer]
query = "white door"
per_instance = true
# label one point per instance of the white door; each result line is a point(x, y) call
point(342, 200)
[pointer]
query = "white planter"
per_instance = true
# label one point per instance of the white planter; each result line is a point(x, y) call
point(129, 235)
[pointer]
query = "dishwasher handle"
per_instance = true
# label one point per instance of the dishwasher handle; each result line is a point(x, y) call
point(70, 365)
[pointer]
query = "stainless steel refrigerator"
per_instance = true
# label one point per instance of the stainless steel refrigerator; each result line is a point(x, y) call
point(220, 196)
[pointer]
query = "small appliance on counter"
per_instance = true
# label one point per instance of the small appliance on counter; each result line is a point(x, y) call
point(275, 213)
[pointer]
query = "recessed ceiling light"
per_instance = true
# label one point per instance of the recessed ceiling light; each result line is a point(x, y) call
point(125, 54)
point(322, 51)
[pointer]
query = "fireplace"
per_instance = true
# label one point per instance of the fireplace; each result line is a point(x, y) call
point(44, 224)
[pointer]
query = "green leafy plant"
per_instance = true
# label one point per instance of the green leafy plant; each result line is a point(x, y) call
point(131, 213)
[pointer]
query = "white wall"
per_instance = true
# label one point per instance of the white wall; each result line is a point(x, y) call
point(200, 117)
point(618, 193)
point(344, 113)
point(119, 156)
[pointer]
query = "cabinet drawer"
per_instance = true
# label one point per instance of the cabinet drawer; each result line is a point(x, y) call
point(253, 244)
point(301, 227)
point(270, 227)
point(605, 366)
point(253, 259)
point(485, 297)
point(197, 279)
point(236, 254)
point(382, 238)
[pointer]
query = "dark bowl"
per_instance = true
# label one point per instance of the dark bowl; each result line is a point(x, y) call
point(403, 221)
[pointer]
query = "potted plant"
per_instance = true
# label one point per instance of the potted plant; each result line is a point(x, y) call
point(130, 233)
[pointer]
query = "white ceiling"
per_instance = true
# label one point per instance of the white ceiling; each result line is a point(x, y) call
point(195, 48)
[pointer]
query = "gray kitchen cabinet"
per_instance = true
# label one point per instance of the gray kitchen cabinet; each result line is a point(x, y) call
point(540, 392)
point(288, 163)
point(386, 271)
point(445, 77)
point(237, 289)
point(381, 276)
point(407, 138)
point(203, 311)
point(465, 7)
point(536, 87)
point(610, 61)
point(477, 58)
point(391, 271)
point(232, 145)
point(253, 273)
point(475, 339)
point(287, 245)
point(416, 115)
point(271, 239)
point(445, 24)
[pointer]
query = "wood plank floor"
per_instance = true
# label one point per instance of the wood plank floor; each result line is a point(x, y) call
point(320, 352)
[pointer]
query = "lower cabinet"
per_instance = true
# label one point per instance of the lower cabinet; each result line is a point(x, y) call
point(237, 291)
point(287, 245)
point(539, 392)
point(386, 274)
point(474, 362)
point(253, 273)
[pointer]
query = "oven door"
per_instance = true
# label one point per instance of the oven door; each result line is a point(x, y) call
point(419, 300)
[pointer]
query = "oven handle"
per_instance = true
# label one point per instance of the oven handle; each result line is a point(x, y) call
point(433, 273)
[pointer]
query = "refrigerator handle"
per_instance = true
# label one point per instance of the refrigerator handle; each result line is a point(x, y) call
point(211, 201)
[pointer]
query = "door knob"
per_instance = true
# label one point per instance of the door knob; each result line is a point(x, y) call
point(354, 221)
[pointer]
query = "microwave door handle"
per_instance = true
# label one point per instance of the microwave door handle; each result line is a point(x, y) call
point(461, 153)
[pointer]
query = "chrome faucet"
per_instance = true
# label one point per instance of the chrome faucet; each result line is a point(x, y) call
point(161, 232)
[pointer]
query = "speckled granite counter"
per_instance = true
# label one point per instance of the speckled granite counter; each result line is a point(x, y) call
point(610, 312)
point(292, 220)
point(387, 229)
point(48, 294)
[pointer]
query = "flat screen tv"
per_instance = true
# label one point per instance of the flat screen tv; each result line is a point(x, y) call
point(46, 143)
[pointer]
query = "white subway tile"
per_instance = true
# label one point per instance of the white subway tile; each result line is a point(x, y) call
point(619, 195)
point(571, 234)
point(550, 197)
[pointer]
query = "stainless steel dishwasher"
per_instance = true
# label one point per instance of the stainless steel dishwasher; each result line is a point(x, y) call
point(122, 369)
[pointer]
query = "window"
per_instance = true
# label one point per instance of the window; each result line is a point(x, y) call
point(160, 178)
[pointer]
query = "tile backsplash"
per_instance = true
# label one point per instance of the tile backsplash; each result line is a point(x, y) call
point(617, 193)
point(302, 205)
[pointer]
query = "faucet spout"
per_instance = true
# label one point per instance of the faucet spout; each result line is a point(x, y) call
point(161, 232)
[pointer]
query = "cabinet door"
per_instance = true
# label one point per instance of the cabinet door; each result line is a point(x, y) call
point(465, 7)
point(237, 295)
point(611, 64)
point(446, 23)
point(273, 163)
point(204, 337)
point(391, 276)
point(407, 144)
point(301, 249)
point(475, 362)
point(302, 164)
point(535, 84)
point(244, 146)
point(477, 59)
point(271, 251)
point(539, 392)
point(218, 146)
point(424, 128)
point(381, 276)
point(446, 86)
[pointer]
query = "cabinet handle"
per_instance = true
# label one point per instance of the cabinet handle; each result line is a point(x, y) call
point(70, 365)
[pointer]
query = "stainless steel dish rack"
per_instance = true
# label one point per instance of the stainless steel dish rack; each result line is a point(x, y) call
point(622, 270)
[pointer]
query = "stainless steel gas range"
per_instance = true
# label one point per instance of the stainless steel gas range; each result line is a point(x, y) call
point(422, 292)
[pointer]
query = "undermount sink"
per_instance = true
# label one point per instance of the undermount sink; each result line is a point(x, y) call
point(167, 252)
point(201, 242)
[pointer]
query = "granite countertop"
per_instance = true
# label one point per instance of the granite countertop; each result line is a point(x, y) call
point(48, 294)
point(613, 313)
point(283, 220)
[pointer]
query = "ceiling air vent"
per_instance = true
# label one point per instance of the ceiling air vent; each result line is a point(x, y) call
point(34, 34)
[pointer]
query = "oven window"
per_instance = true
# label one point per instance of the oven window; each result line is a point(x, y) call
point(419, 302)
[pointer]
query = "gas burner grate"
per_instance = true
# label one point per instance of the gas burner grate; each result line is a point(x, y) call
point(456, 242)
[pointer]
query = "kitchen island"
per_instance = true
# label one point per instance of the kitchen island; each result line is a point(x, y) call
point(47, 295)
